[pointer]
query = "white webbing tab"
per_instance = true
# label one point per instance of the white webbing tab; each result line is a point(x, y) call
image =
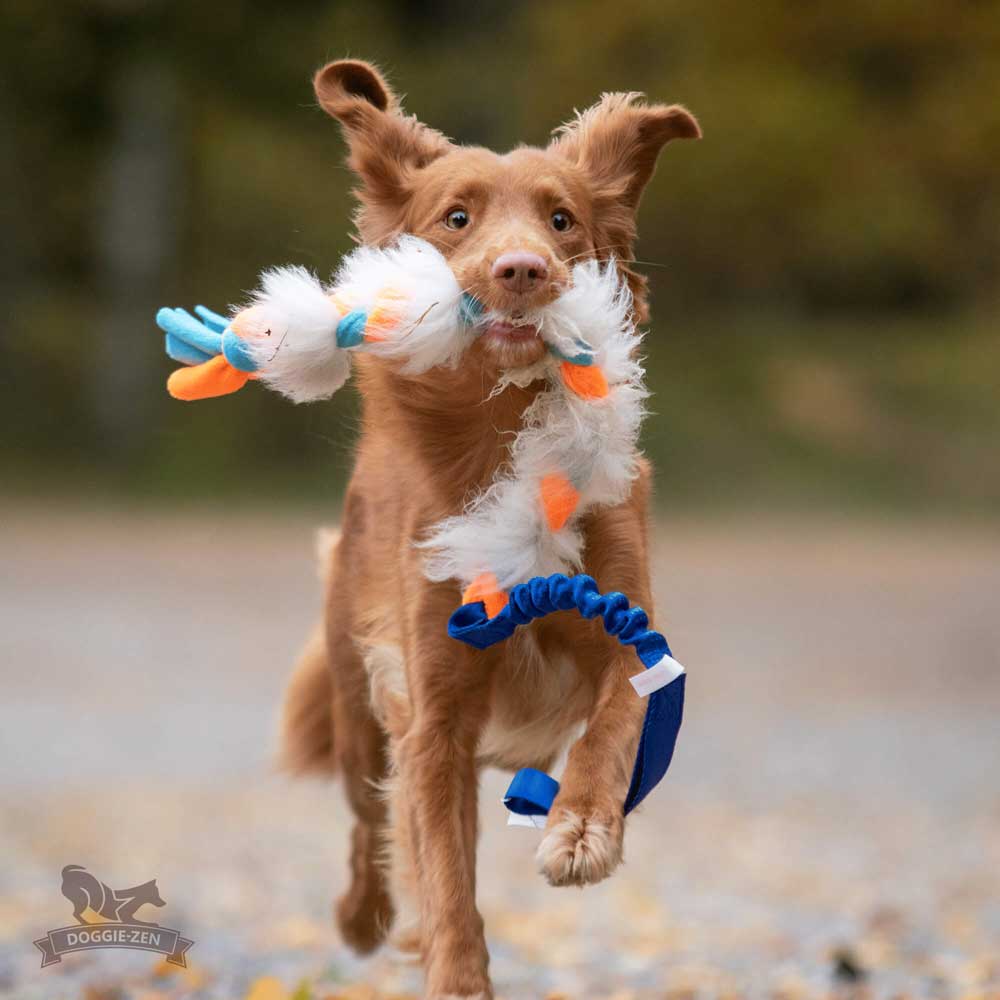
point(516, 819)
point(657, 676)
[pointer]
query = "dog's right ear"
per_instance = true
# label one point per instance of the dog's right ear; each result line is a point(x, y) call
point(386, 146)
point(351, 91)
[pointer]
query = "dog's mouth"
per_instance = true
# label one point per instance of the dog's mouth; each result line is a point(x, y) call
point(512, 337)
point(514, 328)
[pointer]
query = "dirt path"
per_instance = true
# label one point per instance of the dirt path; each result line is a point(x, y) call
point(835, 788)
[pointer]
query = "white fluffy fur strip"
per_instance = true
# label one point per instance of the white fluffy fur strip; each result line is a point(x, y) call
point(593, 316)
point(291, 325)
point(592, 442)
point(291, 330)
point(428, 332)
point(503, 531)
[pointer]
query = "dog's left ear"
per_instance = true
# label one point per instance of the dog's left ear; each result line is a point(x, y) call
point(618, 140)
point(616, 143)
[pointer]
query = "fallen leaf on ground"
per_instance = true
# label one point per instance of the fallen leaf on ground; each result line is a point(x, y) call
point(267, 988)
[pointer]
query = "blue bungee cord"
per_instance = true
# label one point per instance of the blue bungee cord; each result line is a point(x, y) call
point(532, 792)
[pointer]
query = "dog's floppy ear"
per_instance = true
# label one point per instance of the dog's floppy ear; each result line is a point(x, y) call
point(618, 140)
point(616, 143)
point(386, 146)
point(346, 88)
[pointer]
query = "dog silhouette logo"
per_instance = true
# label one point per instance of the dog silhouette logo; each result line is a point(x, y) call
point(106, 918)
point(85, 892)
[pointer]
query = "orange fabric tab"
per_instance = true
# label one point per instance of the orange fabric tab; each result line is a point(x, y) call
point(587, 381)
point(559, 499)
point(212, 378)
point(486, 589)
point(382, 317)
point(494, 603)
point(386, 314)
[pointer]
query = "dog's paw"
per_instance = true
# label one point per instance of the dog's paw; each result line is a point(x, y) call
point(364, 919)
point(580, 850)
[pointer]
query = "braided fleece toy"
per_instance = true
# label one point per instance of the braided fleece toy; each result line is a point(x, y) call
point(576, 450)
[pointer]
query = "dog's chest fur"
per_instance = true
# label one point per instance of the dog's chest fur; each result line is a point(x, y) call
point(539, 700)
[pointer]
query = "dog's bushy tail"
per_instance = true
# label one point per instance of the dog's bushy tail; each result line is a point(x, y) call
point(306, 741)
point(306, 744)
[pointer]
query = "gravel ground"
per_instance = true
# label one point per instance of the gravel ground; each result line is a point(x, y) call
point(830, 825)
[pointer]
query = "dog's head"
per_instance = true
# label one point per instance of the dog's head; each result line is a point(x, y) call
point(510, 225)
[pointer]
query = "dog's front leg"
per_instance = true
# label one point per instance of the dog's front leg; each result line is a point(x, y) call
point(450, 693)
point(586, 824)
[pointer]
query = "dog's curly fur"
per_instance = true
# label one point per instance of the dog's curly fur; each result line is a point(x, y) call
point(381, 694)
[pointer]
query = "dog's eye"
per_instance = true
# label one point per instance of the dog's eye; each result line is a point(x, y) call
point(561, 221)
point(457, 218)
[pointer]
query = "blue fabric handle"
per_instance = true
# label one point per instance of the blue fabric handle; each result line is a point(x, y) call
point(531, 793)
point(664, 709)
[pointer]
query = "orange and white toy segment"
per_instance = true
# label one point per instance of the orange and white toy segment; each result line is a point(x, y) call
point(571, 455)
point(576, 449)
point(399, 302)
point(290, 332)
point(412, 300)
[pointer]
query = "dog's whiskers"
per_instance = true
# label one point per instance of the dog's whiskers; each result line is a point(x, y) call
point(621, 260)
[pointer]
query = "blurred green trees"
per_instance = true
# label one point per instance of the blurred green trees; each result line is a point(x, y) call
point(824, 264)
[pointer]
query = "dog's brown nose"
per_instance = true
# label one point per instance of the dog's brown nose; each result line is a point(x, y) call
point(520, 271)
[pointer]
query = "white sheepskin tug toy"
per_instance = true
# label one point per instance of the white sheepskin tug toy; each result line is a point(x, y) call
point(577, 447)
point(512, 546)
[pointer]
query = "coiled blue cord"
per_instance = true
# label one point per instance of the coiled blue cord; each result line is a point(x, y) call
point(532, 792)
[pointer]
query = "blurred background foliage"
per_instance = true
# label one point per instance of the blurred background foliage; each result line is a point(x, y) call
point(824, 264)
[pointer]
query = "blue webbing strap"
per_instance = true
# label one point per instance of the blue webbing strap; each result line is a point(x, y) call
point(532, 792)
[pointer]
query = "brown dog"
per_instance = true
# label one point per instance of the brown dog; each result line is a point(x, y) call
point(381, 694)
